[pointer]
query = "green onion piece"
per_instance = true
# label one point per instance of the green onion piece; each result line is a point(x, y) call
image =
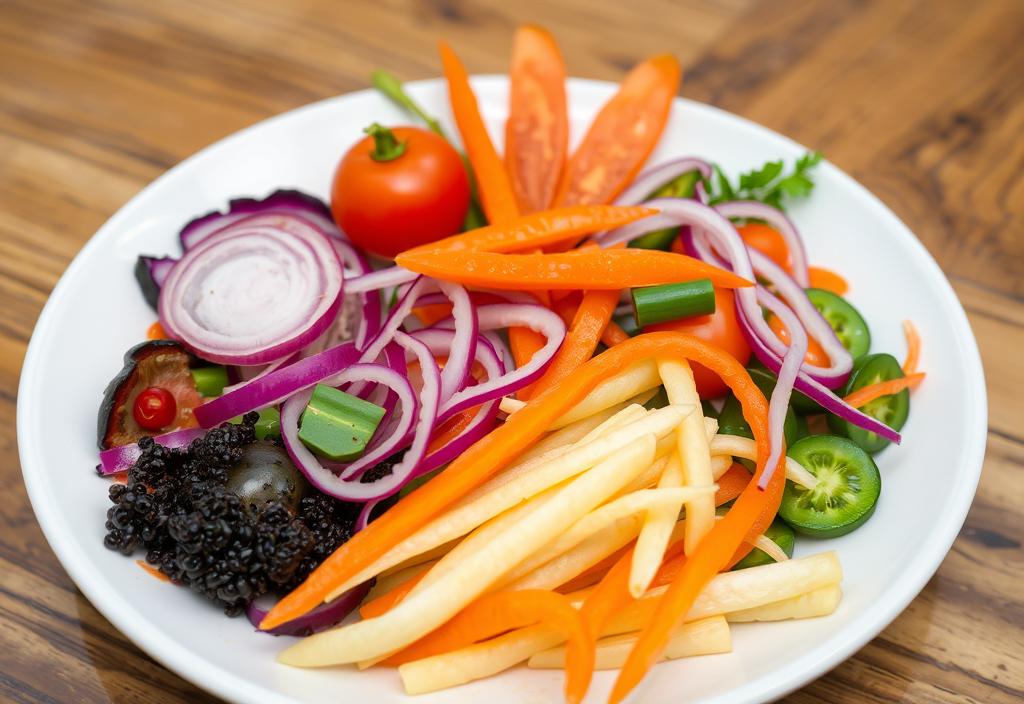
point(680, 187)
point(210, 381)
point(338, 425)
point(656, 304)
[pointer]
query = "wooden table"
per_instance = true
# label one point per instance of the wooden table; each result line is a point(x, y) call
point(920, 101)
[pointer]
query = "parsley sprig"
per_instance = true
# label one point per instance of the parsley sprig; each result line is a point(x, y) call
point(767, 184)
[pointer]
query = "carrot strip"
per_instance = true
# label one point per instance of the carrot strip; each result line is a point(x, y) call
point(493, 614)
point(815, 352)
point(828, 280)
point(868, 394)
point(496, 195)
point(450, 429)
point(613, 334)
point(913, 348)
point(580, 269)
point(538, 229)
point(731, 484)
point(153, 571)
point(591, 319)
point(156, 332)
point(388, 600)
point(622, 135)
point(537, 129)
point(499, 447)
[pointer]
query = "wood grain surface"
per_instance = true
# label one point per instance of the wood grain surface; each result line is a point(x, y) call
point(923, 102)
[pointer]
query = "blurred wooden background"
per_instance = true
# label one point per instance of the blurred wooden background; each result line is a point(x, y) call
point(920, 101)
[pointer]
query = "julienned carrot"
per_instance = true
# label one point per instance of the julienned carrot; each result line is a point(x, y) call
point(451, 429)
point(591, 319)
point(496, 195)
point(152, 571)
point(622, 135)
point(913, 348)
point(717, 551)
point(613, 334)
point(580, 269)
point(828, 280)
point(538, 229)
point(156, 332)
point(499, 447)
point(537, 129)
point(731, 484)
point(753, 512)
point(386, 601)
point(868, 394)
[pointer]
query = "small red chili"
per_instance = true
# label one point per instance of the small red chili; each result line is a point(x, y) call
point(155, 408)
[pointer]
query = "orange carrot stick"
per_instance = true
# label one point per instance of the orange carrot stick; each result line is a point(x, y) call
point(613, 334)
point(493, 614)
point(498, 448)
point(537, 129)
point(828, 280)
point(496, 195)
point(152, 571)
point(580, 269)
point(731, 484)
point(868, 394)
point(913, 348)
point(388, 600)
point(622, 135)
point(591, 319)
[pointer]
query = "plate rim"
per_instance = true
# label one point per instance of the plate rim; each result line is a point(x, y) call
point(178, 658)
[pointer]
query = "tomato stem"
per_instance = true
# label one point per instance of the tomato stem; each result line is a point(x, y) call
point(385, 146)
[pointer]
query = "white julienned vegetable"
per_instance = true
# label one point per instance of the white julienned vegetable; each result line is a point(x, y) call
point(739, 446)
point(418, 614)
point(637, 378)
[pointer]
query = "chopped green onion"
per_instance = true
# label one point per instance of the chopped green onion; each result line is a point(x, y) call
point(338, 425)
point(656, 304)
point(680, 187)
point(210, 381)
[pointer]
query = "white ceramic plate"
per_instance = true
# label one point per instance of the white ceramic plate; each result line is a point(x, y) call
point(96, 312)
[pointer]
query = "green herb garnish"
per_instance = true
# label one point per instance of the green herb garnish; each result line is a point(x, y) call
point(767, 184)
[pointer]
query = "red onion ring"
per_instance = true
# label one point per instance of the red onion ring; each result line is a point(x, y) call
point(657, 176)
point(382, 278)
point(777, 220)
point(319, 619)
point(277, 386)
point(253, 295)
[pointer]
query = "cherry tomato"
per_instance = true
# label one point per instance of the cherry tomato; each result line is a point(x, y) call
point(154, 408)
point(815, 354)
point(399, 188)
point(768, 241)
point(721, 328)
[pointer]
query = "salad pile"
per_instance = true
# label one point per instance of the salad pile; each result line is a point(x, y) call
point(543, 408)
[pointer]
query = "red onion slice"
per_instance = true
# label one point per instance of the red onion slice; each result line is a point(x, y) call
point(382, 278)
point(777, 220)
point(250, 296)
point(333, 485)
point(277, 386)
point(120, 459)
point(319, 619)
point(655, 177)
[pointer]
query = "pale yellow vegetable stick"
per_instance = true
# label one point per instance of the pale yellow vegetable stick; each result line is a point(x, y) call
point(705, 637)
point(420, 613)
point(386, 583)
point(738, 446)
point(691, 466)
point(770, 548)
point(476, 661)
point(745, 589)
point(636, 378)
point(475, 509)
point(429, 556)
point(581, 430)
point(817, 602)
point(720, 465)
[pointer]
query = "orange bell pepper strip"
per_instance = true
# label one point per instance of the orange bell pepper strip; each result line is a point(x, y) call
point(501, 446)
point(591, 319)
point(913, 348)
point(538, 229)
point(580, 269)
point(537, 129)
point(868, 394)
point(731, 484)
point(496, 194)
point(450, 429)
point(622, 135)
point(613, 334)
point(828, 280)
point(388, 600)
